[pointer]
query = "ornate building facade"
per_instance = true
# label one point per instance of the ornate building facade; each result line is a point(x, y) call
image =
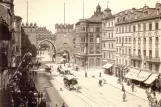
point(138, 41)
point(108, 41)
point(88, 40)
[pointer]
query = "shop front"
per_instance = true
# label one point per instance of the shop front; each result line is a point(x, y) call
point(108, 68)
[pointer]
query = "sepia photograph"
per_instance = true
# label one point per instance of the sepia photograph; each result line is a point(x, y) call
point(80, 53)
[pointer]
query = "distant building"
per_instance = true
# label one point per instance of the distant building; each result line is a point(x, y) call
point(64, 39)
point(88, 40)
point(108, 41)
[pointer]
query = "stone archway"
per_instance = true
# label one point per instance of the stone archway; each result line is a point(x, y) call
point(40, 42)
point(53, 54)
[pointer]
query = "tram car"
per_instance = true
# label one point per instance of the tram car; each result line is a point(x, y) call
point(70, 82)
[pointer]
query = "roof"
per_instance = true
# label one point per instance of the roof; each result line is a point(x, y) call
point(96, 17)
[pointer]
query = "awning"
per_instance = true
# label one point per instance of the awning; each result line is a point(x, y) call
point(151, 78)
point(107, 66)
point(142, 76)
point(132, 73)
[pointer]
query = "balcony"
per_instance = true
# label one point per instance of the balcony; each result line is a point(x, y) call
point(152, 59)
point(135, 57)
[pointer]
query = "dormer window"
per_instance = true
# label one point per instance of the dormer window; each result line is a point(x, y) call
point(157, 11)
point(146, 13)
point(117, 19)
point(123, 19)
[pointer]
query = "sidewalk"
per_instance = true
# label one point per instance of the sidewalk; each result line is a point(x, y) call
point(112, 80)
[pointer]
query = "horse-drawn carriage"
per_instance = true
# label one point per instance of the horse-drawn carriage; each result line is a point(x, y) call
point(70, 82)
point(63, 70)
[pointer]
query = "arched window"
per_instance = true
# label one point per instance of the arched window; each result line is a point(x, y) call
point(91, 62)
point(98, 62)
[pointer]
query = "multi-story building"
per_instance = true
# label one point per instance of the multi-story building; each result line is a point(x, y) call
point(123, 35)
point(88, 40)
point(108, 41)
point(17, 40)
point(138, 42)
point(65, 34)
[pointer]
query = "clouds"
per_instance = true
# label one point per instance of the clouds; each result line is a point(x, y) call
point(49, 12)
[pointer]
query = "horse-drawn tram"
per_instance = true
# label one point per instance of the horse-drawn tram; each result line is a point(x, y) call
point(70, 82)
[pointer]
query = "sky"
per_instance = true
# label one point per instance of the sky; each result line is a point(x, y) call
point(50, 12)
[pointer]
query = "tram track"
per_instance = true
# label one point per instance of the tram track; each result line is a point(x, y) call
point(93, 97)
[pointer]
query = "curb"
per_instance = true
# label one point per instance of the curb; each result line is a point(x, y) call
point(126, 91)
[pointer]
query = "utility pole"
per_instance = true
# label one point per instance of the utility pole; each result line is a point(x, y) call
point(27, 11)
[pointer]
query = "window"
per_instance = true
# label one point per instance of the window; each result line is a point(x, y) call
point(119, 39)
point(123, 18)
point(129, 28)
point(144, 26)
point(129, 51)
point(90, 29)
point(139, 41)
point(156, 53)
point(91, 62)
point(91, 38)
point(156, 26)
point(156, 40)
point(97, 29)
point(139, 27)
point(126, 40)
point(150, 40)
point(98, 39)
point(97, 49)
point(98, 62)
point(83, 39)
point(104, 45)
point(144, 40)
point(150, 66)
point(150, 53)
point(82, 49)
point(119, 29)
point(144, 52)
point(150, 26)
point(17, 49)
point(133, 51)
point(157, 67)
point(134, 28)
point(139, 52)
point(117, 19)
point(112, 35)
point(108, 35)
point(129, 40)
point(91, 50)
point(134, 40)
point(123, 29)
point(104, 54)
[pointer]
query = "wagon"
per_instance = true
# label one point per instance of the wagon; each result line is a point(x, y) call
point(70, 82)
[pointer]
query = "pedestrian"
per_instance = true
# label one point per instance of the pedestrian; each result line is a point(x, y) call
point(123, 89)
point(86, 74)
point(154, 93)
point(124, 96)
point(63, 105)
point(56, 105)
point(132, 87)
point(100, 74)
